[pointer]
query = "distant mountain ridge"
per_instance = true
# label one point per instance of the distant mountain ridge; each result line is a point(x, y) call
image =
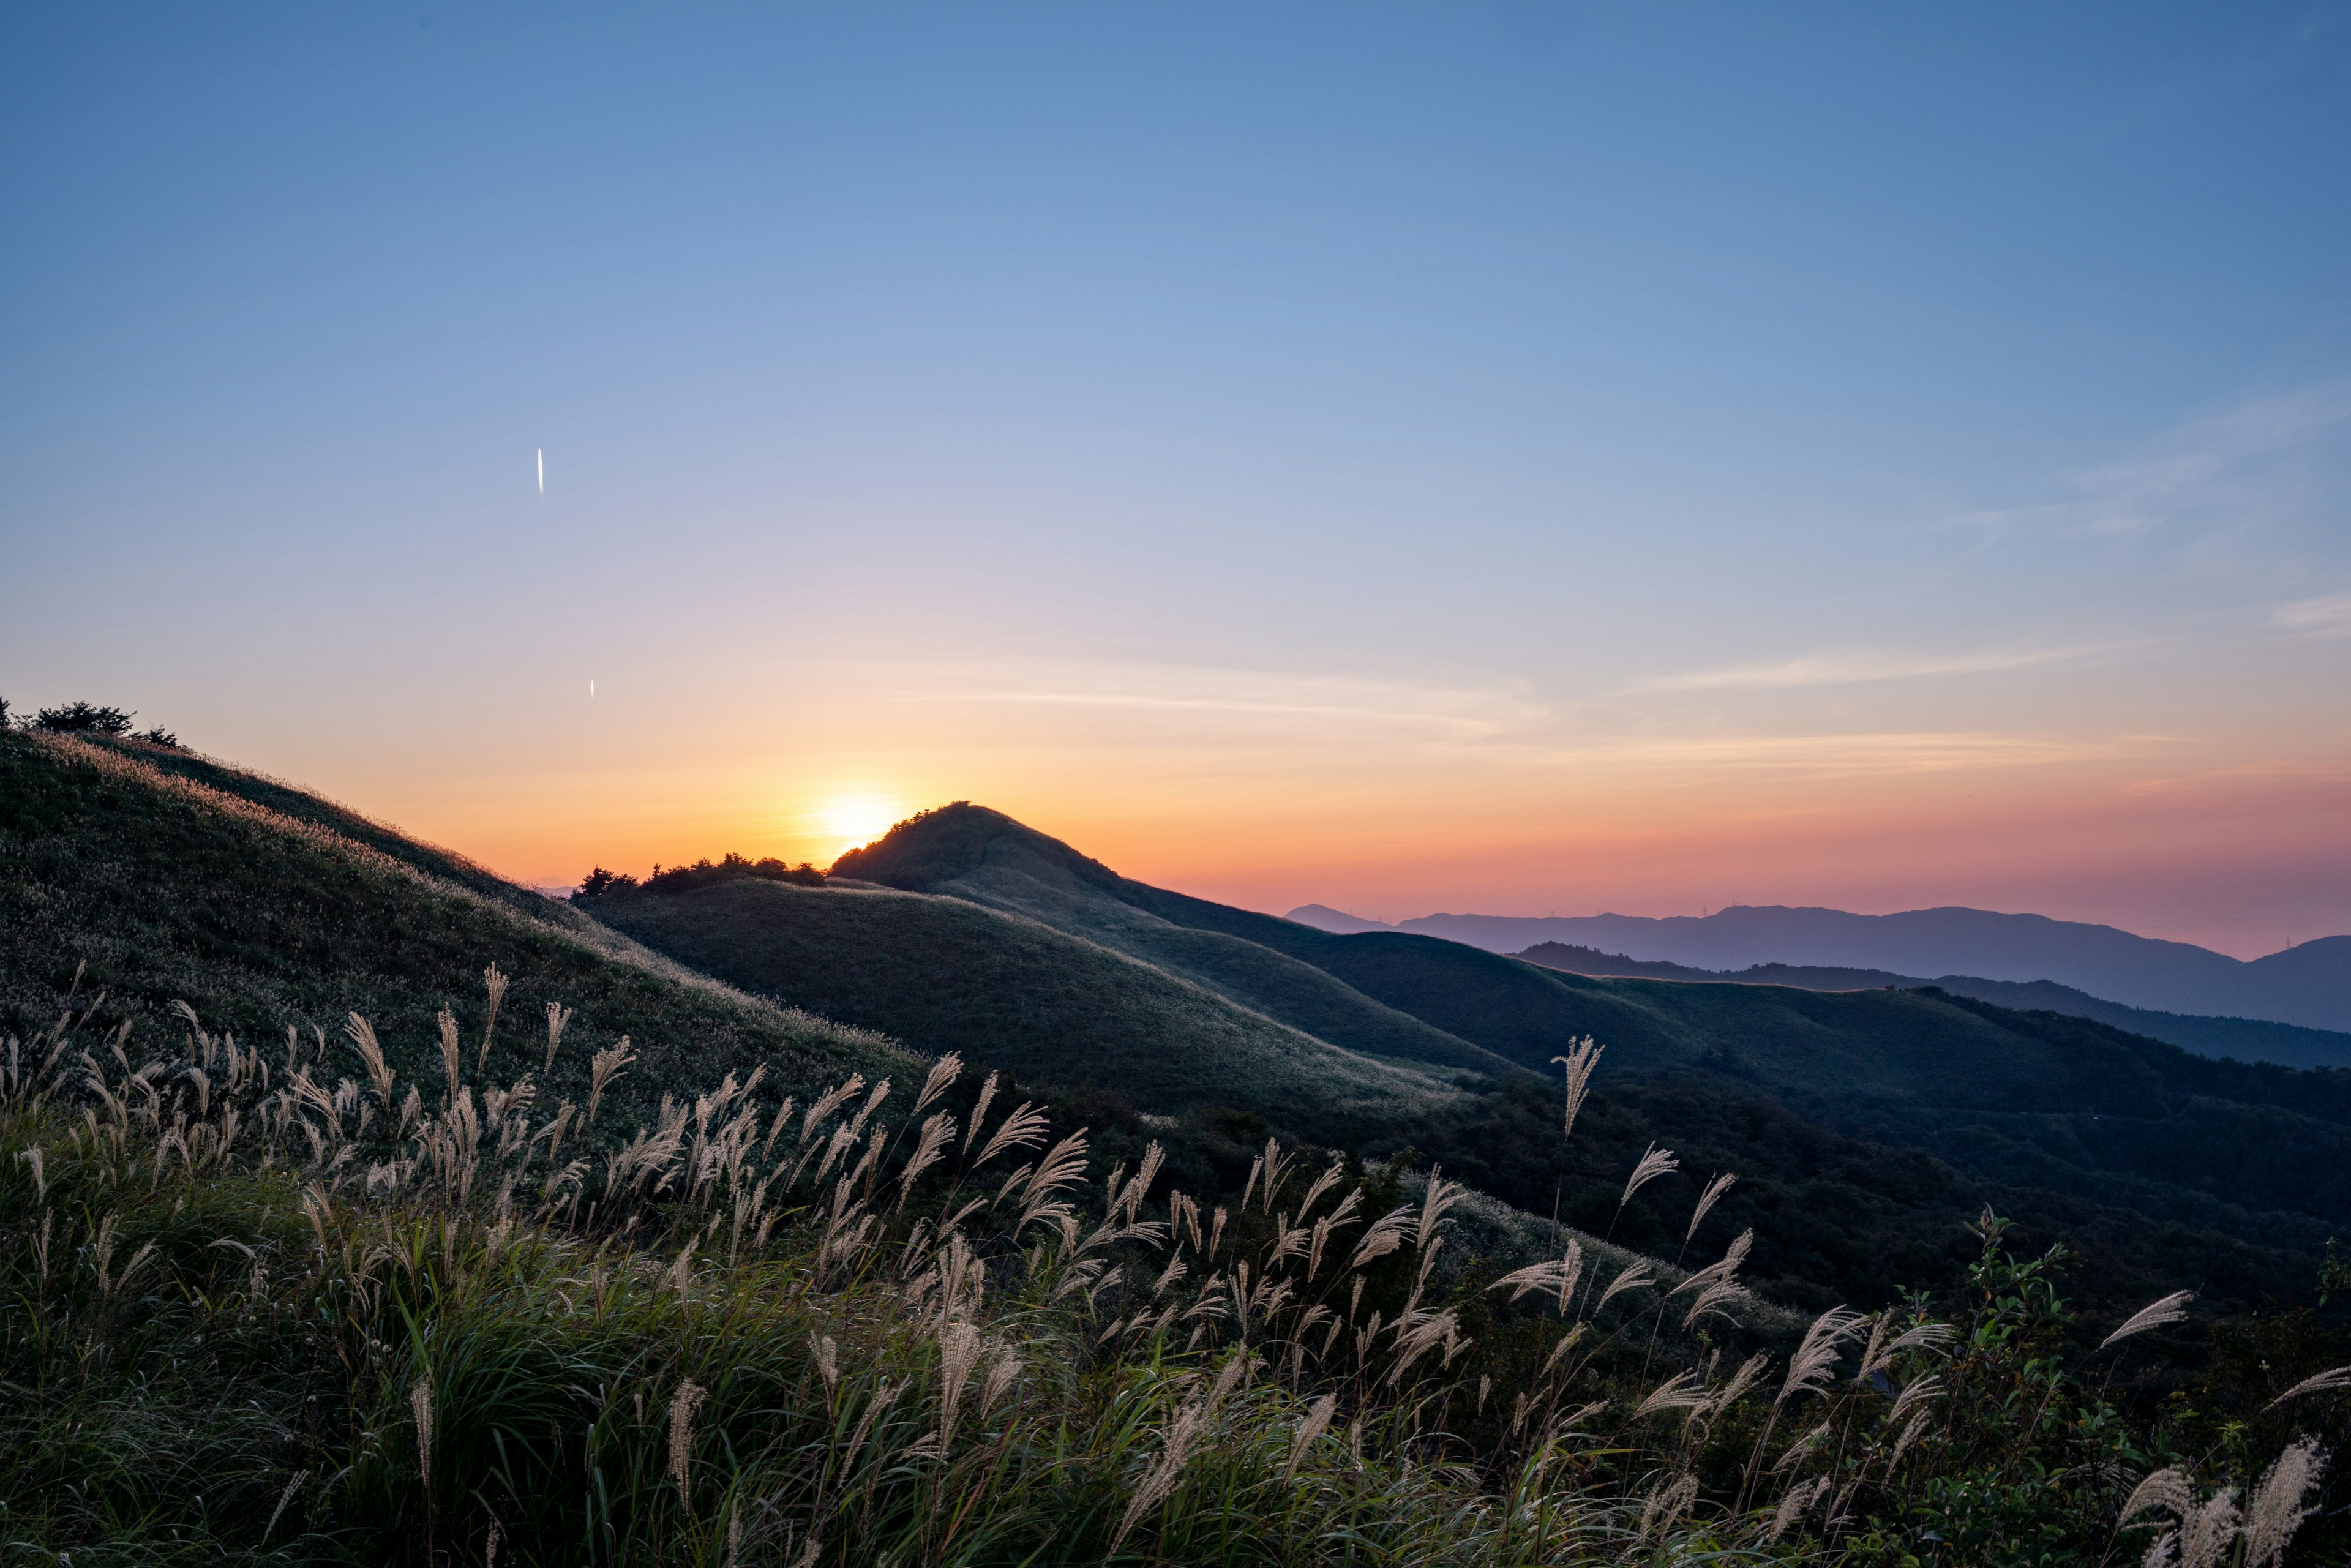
point(2308, 984)
point(2247, 1039)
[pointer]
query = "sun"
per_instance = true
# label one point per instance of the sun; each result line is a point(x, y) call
point(851, 822)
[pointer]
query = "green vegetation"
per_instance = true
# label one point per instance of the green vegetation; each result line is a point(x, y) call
point(1870, 1127)
point(472, 1264)
point(950, 976)
point(163, 878)
point(257, 1309)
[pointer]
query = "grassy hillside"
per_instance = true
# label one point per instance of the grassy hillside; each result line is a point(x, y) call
point(2246, 1040)
point(947, 975)
point(254, 1326)
point(2167, 1156)
point(166, 878)
point(984, 857)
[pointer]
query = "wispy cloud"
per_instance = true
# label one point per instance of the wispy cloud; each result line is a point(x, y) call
point(1345, 722)
point(1254, 699)
point(1856, 754)
point(2328, 617)
point(2271, 776)
point(1849, 667)
point(2250, 465)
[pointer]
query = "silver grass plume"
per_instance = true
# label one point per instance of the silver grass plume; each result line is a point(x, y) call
point(2166, 1488)
point(1318, 1420)
point(682, 1409)
point(1025, 1128)
point(1706, 1200)
point(831, 1100)
point(1682, 1391)
point(2207, 1531)
point(362, 1035)
point(2328, 1382)
point(1654, 1164)
point(929, 1149)
point(558, 1016)
point(1581, 1060)
point(419, 1402)
point(449, 1049)
point(1815, 1360)
point(1749, 1373)
point(495, 982)
point(1664, 1506)
point(958, 1354)
point(1000, 1377)
point(1634, 1275)
point(942, 1077)
point(602, 1068)
point(2277, 1508)
point(979, 1111)
point(2154, 1315)
point(1795, 1503)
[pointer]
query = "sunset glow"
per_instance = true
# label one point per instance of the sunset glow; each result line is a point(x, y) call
point(1432, 463)
point(853, 820)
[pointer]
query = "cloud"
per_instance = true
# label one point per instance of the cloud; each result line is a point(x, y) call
point(1856, 755)
point(1851, 667)
point(1347, 721)
point(1253, 699)
point(2262, 462)
point(2328, 617)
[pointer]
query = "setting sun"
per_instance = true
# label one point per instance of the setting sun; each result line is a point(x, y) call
point(853, 820)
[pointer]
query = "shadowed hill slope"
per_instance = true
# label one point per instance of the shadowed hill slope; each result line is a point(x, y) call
point(2066, 1104)
point(1012, 992)
point(189, 881)
point(172, 878)
point(983, 857)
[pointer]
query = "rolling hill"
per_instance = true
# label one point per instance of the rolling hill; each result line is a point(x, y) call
point(1864, 1125)
point(2308, 984)
point(1016, 993)
point(2246, 1040)
point(160, 876)
point(2028, 1102)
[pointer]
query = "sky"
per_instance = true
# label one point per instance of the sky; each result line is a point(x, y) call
point(1501, 458)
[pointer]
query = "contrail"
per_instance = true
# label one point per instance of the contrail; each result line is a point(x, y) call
point(542, 470)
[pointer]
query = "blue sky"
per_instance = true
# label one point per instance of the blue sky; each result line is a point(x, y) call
point(1503, 456)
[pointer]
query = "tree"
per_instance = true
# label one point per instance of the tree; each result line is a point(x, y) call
point(600, 882)
point(83, 719)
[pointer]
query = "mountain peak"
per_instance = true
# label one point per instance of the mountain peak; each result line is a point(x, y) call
point(935, 847)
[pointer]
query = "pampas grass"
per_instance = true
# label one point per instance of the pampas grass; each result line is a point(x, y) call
point(750, 1332)
point(2156, 1314)
point(1581, 1062)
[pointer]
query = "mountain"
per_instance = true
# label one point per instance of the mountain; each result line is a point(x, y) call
point(159, 876)
point(2246, 1040)
point(1013, 992)
point(2308, 984)
point(2052, 1113)
point(1864, 1125)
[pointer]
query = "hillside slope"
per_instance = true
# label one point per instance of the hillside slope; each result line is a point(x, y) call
point(2246, 1040)
point(164, 877)
point(2021, 1100)
point(983, 857)
point(1012, 992)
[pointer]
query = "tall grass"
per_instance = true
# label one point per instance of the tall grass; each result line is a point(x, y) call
point(257, 1307)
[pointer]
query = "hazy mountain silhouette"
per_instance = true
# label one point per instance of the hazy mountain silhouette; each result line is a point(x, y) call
point(2309, 985)
point(2247, 1039)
